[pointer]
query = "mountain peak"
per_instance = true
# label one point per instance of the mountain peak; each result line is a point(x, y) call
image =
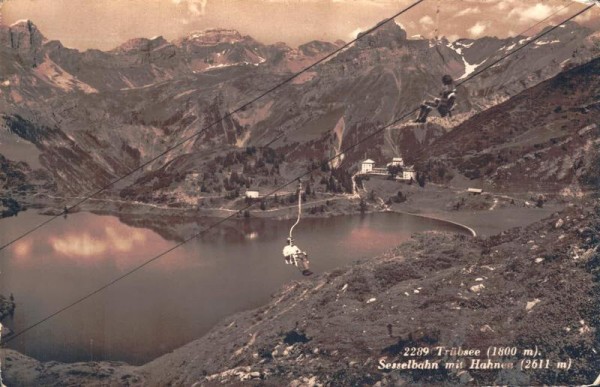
point(26, 25)
point(142, 44)
point(21, 22)
point(316, 47)
point(388, 33)
point(24, 36)
point(215, 36)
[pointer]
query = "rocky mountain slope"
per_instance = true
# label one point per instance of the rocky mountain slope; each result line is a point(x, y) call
point(17, 183)
point(97, 115)
point(514, 289)
point(546, 138)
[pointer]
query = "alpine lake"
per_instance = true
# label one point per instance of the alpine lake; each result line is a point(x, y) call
point(178, 297)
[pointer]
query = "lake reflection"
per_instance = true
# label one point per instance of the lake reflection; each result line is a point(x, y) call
point(178, 297)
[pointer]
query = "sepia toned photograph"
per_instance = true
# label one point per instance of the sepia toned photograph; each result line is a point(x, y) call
point(299, 193)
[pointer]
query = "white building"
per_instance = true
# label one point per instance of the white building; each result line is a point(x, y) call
point(252, 194)
point(396, 161)
point(409, 173)
point(367, 166)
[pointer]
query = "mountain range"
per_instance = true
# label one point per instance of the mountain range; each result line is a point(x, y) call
point(93, 116)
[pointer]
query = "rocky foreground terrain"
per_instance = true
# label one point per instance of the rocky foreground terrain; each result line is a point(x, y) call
point(529, 287)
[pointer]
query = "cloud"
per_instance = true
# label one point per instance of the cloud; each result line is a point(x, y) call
point(504, 5)
point(377, 3)
point(82, 245)
point(477, 29)
point(426, 21)
point(588, 2)
point(533, 13)
point(195, 7)
point(355, 33)
point(469, 11)
point(123, 242)
point(584, 17)
point(23, 248)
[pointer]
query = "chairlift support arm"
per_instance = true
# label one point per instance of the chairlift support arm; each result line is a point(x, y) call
point(299, 209)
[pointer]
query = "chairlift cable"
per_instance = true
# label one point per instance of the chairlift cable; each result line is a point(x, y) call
point(437, 21)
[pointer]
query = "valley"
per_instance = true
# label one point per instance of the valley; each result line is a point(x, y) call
point(462, 257)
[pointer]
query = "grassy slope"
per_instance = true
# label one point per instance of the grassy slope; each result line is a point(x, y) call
point(545, 137)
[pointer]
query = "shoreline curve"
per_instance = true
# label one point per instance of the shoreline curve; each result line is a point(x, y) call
point(469, 229)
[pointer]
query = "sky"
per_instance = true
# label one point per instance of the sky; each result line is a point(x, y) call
point(105, 24)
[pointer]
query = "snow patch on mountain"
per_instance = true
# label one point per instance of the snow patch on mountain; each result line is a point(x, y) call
point(220, 65)
point(470, 68)
point(22, 21)
point(465, 45)
point(543, 43)
point(212, 37)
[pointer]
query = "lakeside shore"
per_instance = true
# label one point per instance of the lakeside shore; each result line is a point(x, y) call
point(481, 215)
